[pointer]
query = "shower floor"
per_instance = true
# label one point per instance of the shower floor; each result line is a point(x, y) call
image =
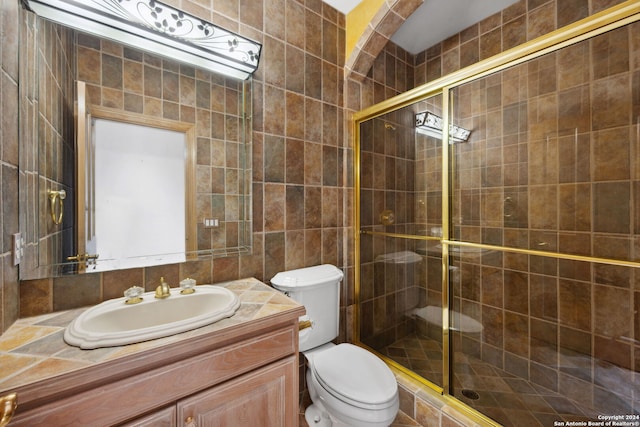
point(505, 398)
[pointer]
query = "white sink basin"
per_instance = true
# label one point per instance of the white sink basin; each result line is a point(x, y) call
point(114, 323)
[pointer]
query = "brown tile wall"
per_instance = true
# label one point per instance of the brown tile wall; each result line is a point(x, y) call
point(523, 21)
point(9, 206)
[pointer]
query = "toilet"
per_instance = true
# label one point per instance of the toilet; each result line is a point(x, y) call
point(349, 386)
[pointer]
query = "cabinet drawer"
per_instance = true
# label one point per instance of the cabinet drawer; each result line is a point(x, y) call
point(162, 418)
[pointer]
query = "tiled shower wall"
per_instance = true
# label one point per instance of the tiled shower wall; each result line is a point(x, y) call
point(387, 179)
point(519, 23)
point(552, 166)
point(391, 74)
point(515, 25)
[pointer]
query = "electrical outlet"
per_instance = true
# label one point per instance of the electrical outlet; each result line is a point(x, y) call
point(18, 250)
point(211, 222)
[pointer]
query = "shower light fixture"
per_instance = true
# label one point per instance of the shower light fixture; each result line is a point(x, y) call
point(431, 125)
point(157, 28)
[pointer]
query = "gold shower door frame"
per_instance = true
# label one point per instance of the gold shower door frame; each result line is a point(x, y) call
point(610, 19)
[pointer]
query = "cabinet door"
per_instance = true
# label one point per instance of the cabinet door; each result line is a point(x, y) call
point(162, 418)
point(266, 397)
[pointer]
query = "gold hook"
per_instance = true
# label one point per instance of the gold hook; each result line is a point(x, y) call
point(8, 405)
point(59, 196)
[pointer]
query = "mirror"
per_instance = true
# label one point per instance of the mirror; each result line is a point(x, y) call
point(126, 85)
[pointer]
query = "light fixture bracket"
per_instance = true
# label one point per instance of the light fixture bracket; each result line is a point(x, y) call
point(159, 28)
point(432, 125)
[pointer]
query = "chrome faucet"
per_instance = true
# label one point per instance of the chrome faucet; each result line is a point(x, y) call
point(163, 291)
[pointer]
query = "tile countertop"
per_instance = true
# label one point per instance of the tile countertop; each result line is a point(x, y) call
point(33, 349)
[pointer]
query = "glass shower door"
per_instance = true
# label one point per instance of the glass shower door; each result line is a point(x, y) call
point(400, 286)
point(547, 190)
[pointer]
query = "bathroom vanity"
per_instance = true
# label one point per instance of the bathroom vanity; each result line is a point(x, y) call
point(239, 371)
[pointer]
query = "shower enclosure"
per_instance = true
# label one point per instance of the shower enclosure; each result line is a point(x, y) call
point(498, 261)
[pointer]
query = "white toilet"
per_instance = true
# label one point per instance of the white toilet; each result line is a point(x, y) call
point(348, 385)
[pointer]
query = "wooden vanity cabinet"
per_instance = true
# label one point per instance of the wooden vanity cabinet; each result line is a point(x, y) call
point(249, 378)
point(258, 398)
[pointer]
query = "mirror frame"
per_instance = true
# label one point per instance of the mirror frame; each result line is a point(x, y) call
point(85, 111)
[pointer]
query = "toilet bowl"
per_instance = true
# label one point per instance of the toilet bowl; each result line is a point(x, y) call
point(348, 385)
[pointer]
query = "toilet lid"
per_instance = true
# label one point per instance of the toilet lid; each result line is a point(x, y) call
point(355, 374)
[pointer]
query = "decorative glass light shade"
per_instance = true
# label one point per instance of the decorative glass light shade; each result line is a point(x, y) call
point(158, 28)
point(430, 124)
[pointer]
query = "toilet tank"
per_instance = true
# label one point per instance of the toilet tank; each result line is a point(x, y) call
point(318, 289)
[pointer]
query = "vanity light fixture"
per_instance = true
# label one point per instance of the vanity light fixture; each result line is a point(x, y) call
point(431, 125)
point(157, 28)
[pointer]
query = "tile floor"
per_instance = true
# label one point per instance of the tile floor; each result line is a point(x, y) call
point(505, 398)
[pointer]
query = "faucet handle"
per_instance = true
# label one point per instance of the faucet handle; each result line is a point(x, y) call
point(133, 295)
point(187, 285)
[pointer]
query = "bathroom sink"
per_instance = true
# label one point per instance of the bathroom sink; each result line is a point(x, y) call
point(114, 323)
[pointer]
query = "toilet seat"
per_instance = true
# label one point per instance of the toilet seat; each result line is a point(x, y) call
point(355, 376)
